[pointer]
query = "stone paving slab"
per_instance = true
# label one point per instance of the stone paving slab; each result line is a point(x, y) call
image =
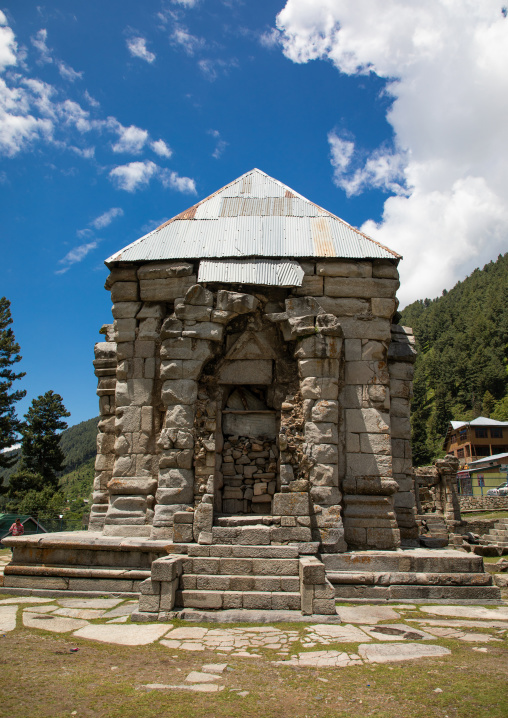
point(468, 612)
point(323, 659)
point(342, 634)
point(366, 614)
point(217, 668)
point(456, 623)
point(87, 613)
point(49, 622)
point(120, 619)
point(201, 677)
point(184, 633)
point(128, 635)
point(461, 635)
point(89, 602)
point(124, 610)
point(388, 652)
point(8, 618)
point(24, 599)
point(396, 632)
point(41, 609)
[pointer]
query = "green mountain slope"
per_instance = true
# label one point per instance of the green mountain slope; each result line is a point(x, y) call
point(76, 481)
point(462, 367)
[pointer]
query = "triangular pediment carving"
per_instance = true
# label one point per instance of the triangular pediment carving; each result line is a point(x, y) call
point(252, 345)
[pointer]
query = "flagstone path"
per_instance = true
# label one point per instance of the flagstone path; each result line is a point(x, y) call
point(372, 633)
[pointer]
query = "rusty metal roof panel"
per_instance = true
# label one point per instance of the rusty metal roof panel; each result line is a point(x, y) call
point(254, 215)
point(268, 272)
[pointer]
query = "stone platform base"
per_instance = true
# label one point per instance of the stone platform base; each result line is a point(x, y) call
point(240, 577)
point(412, 574)
point(80, 562)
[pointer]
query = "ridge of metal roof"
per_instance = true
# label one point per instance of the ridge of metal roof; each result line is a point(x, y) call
point(260, 212)
point(479, 421)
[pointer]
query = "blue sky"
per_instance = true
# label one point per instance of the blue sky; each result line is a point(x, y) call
point(115, 116)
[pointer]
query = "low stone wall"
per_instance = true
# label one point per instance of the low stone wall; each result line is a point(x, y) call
point(482, 503)
point(249, 468)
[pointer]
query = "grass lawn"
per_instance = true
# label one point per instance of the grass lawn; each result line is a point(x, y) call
point(481, 515)
point(41, 678)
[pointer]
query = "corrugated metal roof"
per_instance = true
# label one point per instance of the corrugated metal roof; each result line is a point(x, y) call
point(493, 459)
point(253, 216)
point(269, 272)
point(479, 421)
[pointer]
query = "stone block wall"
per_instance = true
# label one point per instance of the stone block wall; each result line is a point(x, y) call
point(436, 492)
point(401, 358)
point(482, 503)
point(249, 470)
point(335, 374)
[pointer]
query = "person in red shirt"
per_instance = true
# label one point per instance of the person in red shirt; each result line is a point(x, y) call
point(17, 529)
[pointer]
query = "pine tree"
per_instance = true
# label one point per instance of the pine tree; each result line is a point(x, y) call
point(488, 404)
point(40, 445)
point(9, 348)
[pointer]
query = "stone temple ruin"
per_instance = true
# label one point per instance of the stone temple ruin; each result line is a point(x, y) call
point(254, 437)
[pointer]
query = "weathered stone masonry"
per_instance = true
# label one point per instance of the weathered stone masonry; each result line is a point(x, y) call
point(324, 375)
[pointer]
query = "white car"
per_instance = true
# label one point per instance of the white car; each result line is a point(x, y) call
point(501, 490)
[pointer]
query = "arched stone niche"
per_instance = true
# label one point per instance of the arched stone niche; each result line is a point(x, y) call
point(246, 384)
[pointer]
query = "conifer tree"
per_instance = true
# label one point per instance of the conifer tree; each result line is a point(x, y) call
point(488, 404)
point(9, 348)
point(40, 446)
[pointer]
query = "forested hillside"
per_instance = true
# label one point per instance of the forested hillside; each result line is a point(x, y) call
point(76, 480)
point(462, 367)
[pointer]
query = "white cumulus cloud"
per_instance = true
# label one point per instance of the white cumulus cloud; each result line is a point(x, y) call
point(137, 48)
point(106, 218)
point(444, 63)
point(8, 45)
point(160, 148)
point(133, 175)
point(180, 184)
point(131, 139)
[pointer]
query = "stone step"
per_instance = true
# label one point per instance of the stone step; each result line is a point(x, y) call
point(225, 582)
point(415, 593)
point(495, 534)
point(216, 600)
point(36, 583)
point(71, 572)
point(235, 521)
point(414, 561)
point(210, 565)
point(243, 551)
point(340, 578)
point(261, 535)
